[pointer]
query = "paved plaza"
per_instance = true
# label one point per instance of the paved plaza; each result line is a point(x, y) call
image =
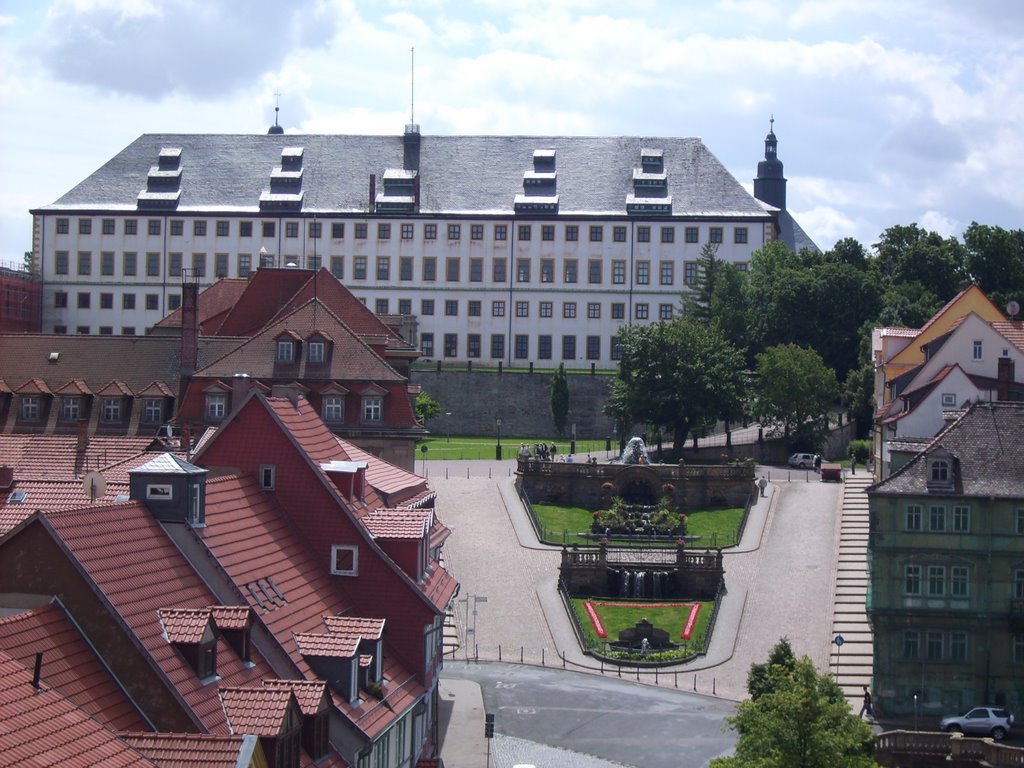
point(781, 581)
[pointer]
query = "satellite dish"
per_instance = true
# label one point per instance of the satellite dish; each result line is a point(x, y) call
point(1013, 309)
point(94, 485)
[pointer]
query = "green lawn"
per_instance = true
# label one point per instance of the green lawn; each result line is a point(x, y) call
point(560, 525)
point(671, 618)
point(440, 446)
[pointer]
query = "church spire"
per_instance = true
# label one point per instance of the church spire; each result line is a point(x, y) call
point(770, 184)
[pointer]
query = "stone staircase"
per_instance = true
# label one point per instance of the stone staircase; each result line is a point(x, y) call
point(852, 662)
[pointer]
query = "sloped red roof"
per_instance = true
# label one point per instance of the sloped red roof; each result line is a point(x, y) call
point(139, 570)
point(74, 387)
point(184, 625)
point(398, 523)
point(327, 289)
point(193, 750)
point(59, 457)
point(262, 297)
point(398, 486)
point(326, 644)
point(213, 304)
point(355, 626)
point(310, 694)
point(34, 386)
point(231, 616)
point(69, 665)
point(260, 711)
point(42, 727)
point(1012, 331)
point(49, 495)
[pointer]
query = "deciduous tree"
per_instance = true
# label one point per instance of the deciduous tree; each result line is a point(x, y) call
point(794, 392)
point(560, 399)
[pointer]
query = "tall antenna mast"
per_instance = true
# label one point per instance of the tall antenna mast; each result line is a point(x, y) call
point(412, 86)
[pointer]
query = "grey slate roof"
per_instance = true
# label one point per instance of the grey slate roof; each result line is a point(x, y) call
point(458, 174)
point(988, 443)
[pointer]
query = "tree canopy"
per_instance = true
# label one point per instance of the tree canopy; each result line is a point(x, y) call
point(798, 719)
point(794, 392)
point(560, 399)
point(426, 408)
point(677, 375)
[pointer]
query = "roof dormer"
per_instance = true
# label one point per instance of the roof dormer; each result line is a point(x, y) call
point(272, 714)
point(172, 489)
point(399, 191)
point(191, 631)
point(650, 185)
point(287, 349)
point(319, 349)
point(540, 185)
point(349, 477)
point(285, 193)
point(234, 622)
point(942, 470)
point(163, 183)
point(335, 659)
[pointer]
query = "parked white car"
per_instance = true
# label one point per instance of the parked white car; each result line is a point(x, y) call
point(802, 460)
point(984, 721)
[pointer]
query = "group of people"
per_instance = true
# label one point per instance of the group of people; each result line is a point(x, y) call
point(545, 452)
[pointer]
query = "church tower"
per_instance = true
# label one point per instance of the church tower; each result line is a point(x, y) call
point(770, 184)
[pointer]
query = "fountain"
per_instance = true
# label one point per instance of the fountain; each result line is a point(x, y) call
point(635, 452)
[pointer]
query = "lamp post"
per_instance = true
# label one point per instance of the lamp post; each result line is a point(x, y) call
point(448, 424)
point(497, 448)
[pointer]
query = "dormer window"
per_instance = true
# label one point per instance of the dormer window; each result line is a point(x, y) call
point(941, 469)
point(315, 352)
point(216, 405)
point(373, 408)
point(938, 471)
point(29, 409)
point(71, 409)
point(285, 351)
point(111, 410)
point(334, 409)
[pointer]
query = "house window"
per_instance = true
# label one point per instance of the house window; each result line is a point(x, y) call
point(959, 581)
point(501, 232)
point(546, 309)
point(153, 410)
point(244, 264)
point(334, 409)
point(949, 400)
point(84, 299)
point(913, 517)
point(344, 560)
point(84, 263)
point(359, 267)
point(961, 519)
point(285, 351)
point(476, 232)
point(315, 352)
point(430, 231)
point(1018, 521)
point(85, 226)
point(664, 311)
point(547, 232)
point(152, 301)
point(618, 272)
point(373, 408)
point(1018, 584)
point(977, 350)
point(523, 270)
point(60, 265)
point(174, 265)
point(451, 308)
point(911, 644)
point(383, 268)
point(912, 580)
point(692, 235)
point(499, 270)
point(594, 272)
point(958, 646)
point(666, 273)
point(199, 228)
point(383, 231)
point(476, 270)
point(497, 345)
point(497, 309)
point(572, 233)
point(451, 344)
point(615, 350)
point(715, 235)
point(60, 299)
point(405, 268)
point(245, 229)
point(199, 264)
point(596, 234)
point(547, 270)
point(360, 232)
point(668, 234)
point(522, 346)
point(544, 347)
point(452, 270)
point(268, 477)
point(618, 310)
point(937, 518)
point(936, 580)
point(619, 234)
point(525, 231)
point(220, 265)
point(570, 271)
point(474, 308)
point(71, 409)
point(568, 309)
point(568, 347)
point(593, 347)
point(268, 228)
point(473, 345)
point(106, 301)
point(643, 273)
point(429, 269)
point(29, 408)
point(454, 231)
point(223, 228)
point(130, 264)
point(153, 226)
point(107, 263)
point(152, 265)
point(427, 344)
point(641, 311)
point(111, 411)
point(593, 310)
point(643, 234)
point(62, 226)
point(739, 235)
point(216, 406)
point(177, 228)
point(933, 645)
point(939, 471)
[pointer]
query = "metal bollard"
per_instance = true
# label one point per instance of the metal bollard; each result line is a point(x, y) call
point(563, 659)
point(520, 654)
point(499, 651)
point(542, 651)
point(714, 687)
point(695, 682)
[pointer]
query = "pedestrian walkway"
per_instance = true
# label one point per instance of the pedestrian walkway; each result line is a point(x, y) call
point(851, 660)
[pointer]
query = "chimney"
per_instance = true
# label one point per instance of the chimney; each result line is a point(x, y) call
point(38, 671)
point(411, 147)
point(83, 435)
point(241, 384)
point(373, 192)
point(416, 192)
point(189, 327)
point(1004, 375)
point(6, 477)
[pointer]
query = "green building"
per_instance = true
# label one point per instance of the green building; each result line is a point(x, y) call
point(946, 569)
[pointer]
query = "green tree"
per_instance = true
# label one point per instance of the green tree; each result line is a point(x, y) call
point(794, 392)
point(800, 720)
point(995, 261)
point(761, 677)
point(677, 376)
point(560, 399)
point(698, 301)
point(426, 408)
point(908, 254)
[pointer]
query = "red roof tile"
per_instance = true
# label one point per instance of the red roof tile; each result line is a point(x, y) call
point(69, 665)
point(1012, 331)
point(42, 727)
point(355, 626)
point(183, 625)
point(398, 523)
point(310, 694)
point(231, 616)
point(259, 711)
point(326, 644)
point(194, 750)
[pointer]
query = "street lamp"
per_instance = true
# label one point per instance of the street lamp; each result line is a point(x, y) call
point(497, 448)
point(448, 424)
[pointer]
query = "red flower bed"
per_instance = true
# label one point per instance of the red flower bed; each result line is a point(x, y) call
point(598, 626)
point(691, 619)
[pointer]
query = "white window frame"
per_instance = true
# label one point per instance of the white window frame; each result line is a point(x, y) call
point(71, 409)
point(354, 570)
point(160, 491)
point(285, 351)
point(315, 352)
point(111, 410)
point(334, 409)
point(912, 580)
point(153, 410)
point(28, 409)
point(216, 405)
point(959, 581)
point(949, 399)
point(373, 409)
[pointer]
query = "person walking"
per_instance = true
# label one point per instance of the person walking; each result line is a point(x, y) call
point(762, 484)
point(865, 708)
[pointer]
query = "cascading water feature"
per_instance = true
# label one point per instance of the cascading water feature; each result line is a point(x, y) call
point(624, 583)
point(638, 584)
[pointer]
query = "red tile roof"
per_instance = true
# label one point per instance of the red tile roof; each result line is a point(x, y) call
point(396, 486)
point(1012, 331)
point(184, 625)
point(195, 750)
point(59, 457)
point(69, 665)
point(48, 495)
point(310, 694)
point(398, 523)
point(42, 727)
point(213, 305)
point(355, 626)
point(257, 711)
point(326, 644)
point(231, 616)
point(140, 570)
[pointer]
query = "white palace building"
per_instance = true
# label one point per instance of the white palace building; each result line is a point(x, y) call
point(512, 249)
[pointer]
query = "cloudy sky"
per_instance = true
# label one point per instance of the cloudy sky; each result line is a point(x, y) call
point(887, 111)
